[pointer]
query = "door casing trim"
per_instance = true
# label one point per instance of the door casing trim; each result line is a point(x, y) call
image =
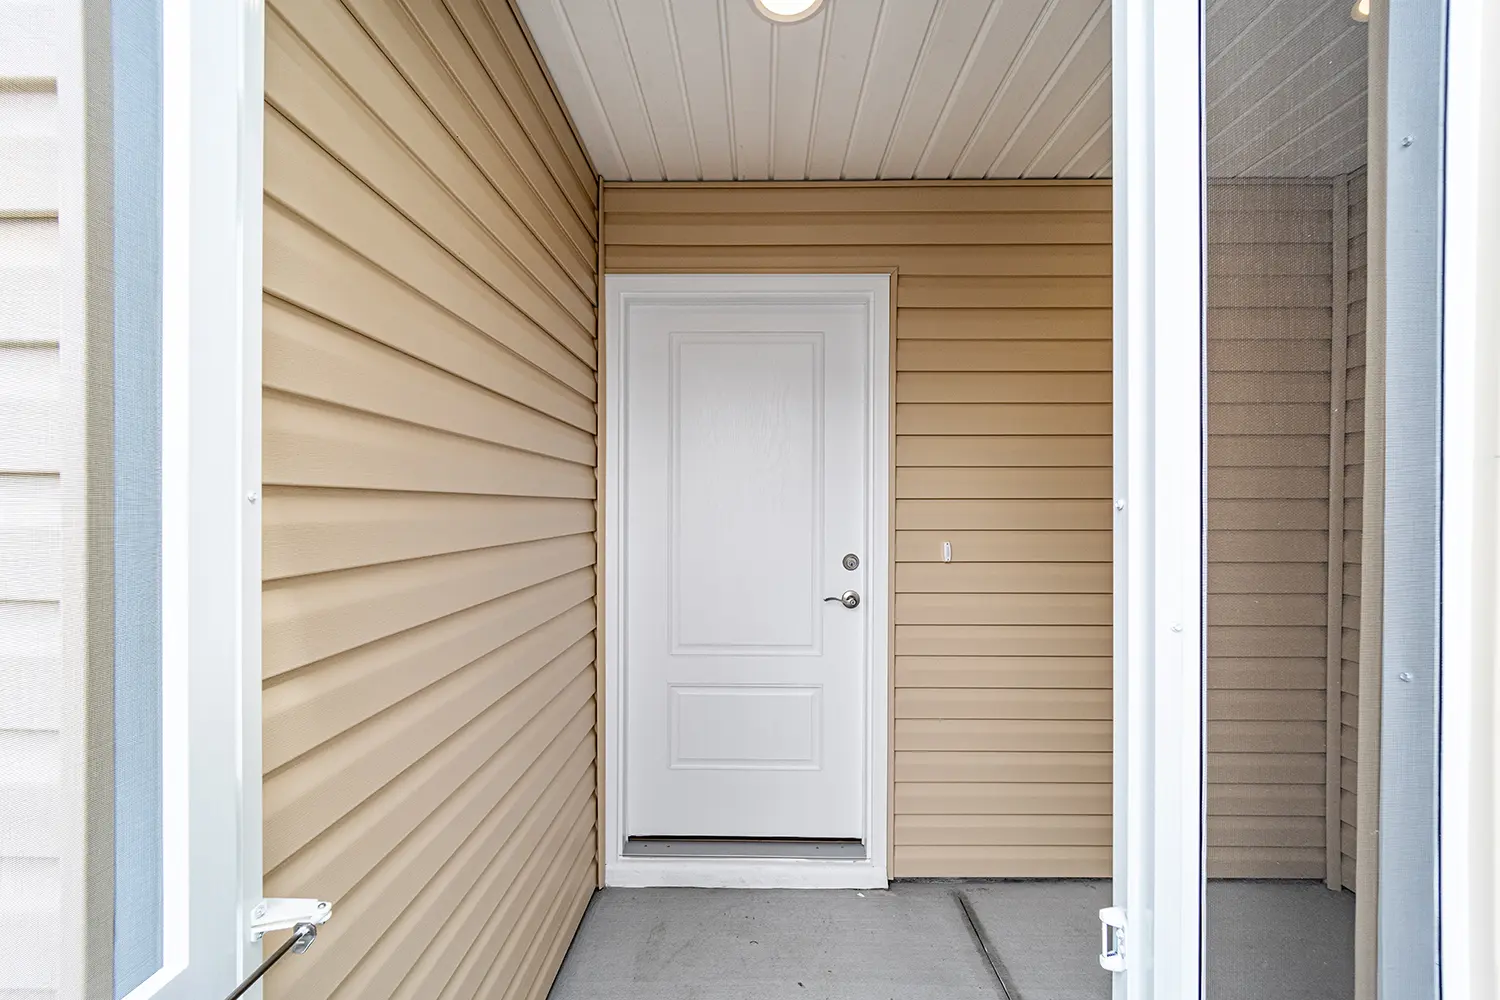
point(874, 290)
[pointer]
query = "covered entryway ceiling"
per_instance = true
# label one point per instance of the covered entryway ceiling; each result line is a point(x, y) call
point(876, 89)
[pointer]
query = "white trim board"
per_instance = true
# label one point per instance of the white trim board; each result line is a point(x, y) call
point(211, 458)
point(869, 872)
point(1468, 752)
point(1159, 576)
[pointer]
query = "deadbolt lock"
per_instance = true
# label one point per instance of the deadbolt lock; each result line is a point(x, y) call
point(851, 562)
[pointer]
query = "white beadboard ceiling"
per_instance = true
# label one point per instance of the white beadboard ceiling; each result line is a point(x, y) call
point(886, 89)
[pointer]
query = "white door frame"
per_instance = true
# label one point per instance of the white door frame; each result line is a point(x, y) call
point(1159, 531)
point(1469, 759)
point(621, 291)
point(213, 94)
point(211, 203)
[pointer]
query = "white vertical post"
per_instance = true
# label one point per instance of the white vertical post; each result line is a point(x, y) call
point(249, 232)
point(1159, 632)
point(1469, 870)
point(211, 294)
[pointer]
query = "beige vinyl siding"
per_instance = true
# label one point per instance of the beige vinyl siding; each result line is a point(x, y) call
point(35, 420)
point(429, 451)
point(1371, 550)
point(1002, 422)
point(1354, 481)
point(1269, 348)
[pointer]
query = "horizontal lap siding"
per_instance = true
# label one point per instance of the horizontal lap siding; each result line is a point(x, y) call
point(429, 421)
point(1002, 421)
point(1269, 344)
point(1354, 483)
point(37, 417)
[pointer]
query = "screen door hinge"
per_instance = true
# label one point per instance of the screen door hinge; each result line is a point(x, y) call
point(282, 913)
point(1112, 938)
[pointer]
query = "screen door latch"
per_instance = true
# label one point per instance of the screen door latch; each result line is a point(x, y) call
point(1112, 938)
point(282, 914)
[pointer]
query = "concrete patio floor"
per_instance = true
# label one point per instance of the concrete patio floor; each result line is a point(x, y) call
point(1014, 940)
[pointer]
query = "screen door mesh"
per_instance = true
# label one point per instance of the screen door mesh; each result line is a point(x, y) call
point(1285, 86)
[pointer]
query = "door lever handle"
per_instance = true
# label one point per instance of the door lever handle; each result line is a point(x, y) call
point(848, 599)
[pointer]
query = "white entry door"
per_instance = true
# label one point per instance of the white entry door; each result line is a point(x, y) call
point(746, 532)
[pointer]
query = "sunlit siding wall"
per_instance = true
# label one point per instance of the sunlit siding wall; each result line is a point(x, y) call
point(1354, 483)
point(430, 390)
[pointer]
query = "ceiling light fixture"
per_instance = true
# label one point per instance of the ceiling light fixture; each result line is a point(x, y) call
point(1361, 10)
point(787, 11)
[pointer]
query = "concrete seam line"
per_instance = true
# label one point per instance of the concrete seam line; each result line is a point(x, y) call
point(997, 965)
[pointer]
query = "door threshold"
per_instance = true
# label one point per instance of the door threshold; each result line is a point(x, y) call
point(720, 872)
point(742, 847)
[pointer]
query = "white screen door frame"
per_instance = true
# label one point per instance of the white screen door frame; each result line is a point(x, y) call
point(1159, 530)
point(211, 317)
point(620, 291)
point(211, 209)
point(1470, 496)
